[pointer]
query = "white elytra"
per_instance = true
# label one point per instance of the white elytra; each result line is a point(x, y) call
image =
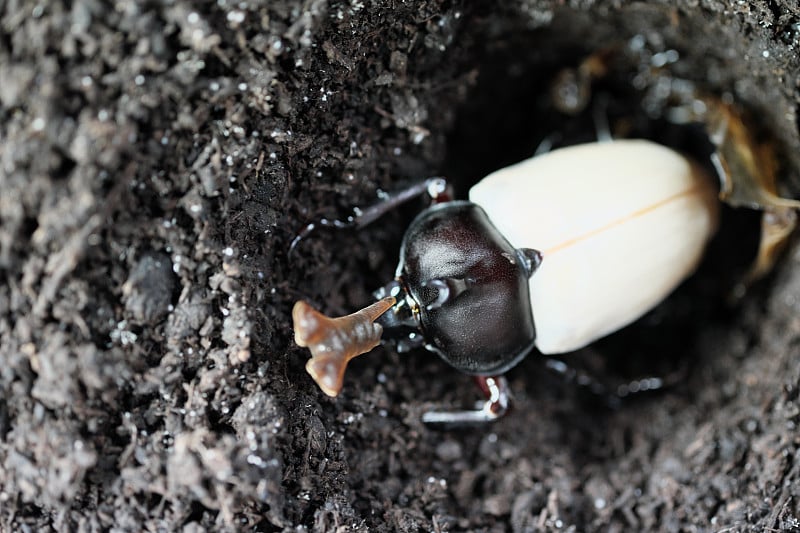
point(620, 224)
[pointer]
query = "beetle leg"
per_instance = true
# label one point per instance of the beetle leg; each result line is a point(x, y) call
point(611, 394)
point(574, 375)
point(496, 391)
point(547, 144)
point(600, 119)
point(437, 190)
point(571, 89)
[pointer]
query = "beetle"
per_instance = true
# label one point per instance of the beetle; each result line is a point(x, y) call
point(541, 256)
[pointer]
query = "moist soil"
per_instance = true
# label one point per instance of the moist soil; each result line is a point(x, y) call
point(158, 158)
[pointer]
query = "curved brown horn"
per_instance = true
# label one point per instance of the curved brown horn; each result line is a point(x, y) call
point(335, 341)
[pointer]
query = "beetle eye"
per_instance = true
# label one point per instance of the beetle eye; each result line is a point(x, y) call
point(438, 291)
point(435, 292)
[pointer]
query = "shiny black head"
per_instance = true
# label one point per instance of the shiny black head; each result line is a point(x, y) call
point(466, 288)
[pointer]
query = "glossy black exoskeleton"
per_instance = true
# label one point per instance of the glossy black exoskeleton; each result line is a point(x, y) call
point(463, 289)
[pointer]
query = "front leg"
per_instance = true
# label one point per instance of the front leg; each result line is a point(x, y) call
point(497, 394)
point(437, 189)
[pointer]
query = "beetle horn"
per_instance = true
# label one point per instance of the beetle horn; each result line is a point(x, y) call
point(335, 341)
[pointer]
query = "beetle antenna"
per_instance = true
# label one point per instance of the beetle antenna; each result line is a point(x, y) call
point(335, 341)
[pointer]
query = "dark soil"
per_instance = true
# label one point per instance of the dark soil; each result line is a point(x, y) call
point(156, 160)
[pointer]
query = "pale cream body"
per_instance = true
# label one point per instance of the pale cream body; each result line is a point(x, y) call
point(620, 225)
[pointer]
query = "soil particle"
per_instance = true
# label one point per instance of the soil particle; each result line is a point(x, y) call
point(148, 290)
point(157, 160)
